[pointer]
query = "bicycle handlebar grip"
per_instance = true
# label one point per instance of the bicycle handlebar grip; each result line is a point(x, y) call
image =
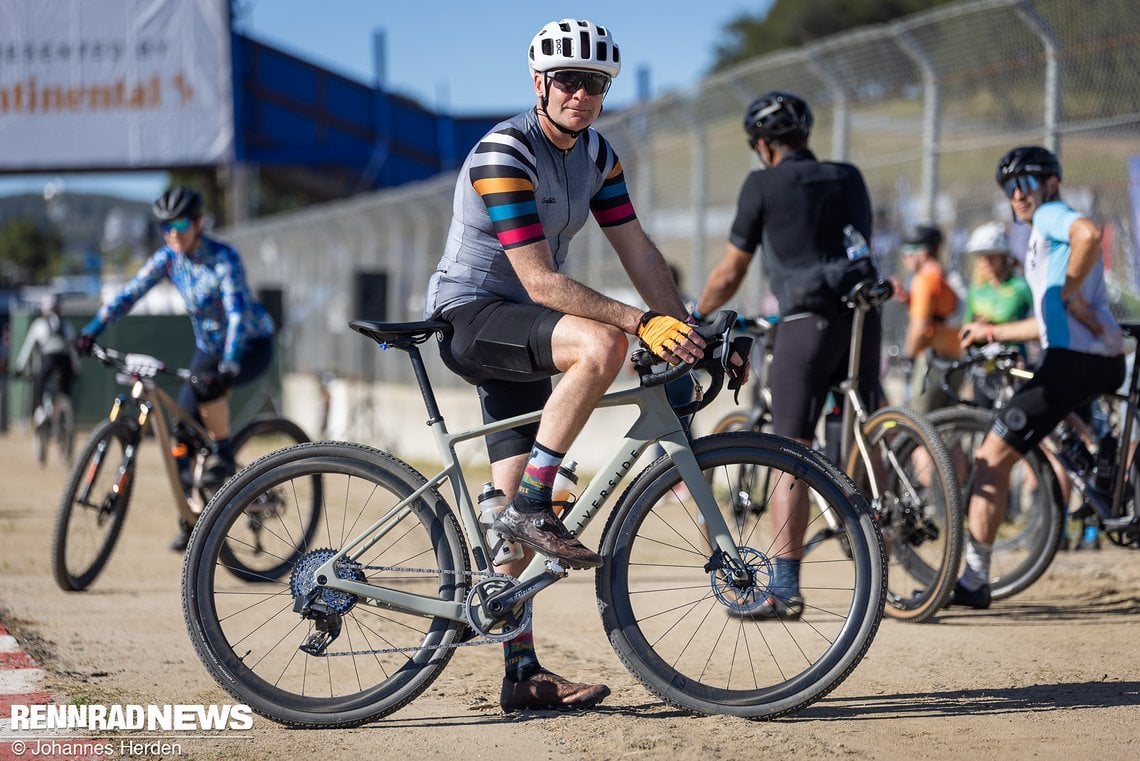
point(713, 332)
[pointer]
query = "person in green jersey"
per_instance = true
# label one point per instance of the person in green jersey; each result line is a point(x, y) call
point(998, 294)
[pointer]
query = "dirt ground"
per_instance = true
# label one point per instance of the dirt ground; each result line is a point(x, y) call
point(1051, 674)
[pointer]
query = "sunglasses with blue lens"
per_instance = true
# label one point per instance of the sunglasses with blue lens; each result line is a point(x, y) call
point(180, 225)
point(1026, 183)
point(568, 81)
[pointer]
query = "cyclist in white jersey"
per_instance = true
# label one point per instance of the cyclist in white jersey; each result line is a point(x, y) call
point(1081, 341)
point(517, 319)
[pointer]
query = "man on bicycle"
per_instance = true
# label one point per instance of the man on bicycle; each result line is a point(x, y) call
point(49, 336)
point(233, 332)
point(798, 207)
point(1081, 342)
point(517, 319)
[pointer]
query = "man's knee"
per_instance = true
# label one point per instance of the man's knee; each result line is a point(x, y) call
point(596, 344)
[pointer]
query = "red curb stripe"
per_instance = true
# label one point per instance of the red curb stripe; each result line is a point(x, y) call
point(24, 699)
point(17, 660)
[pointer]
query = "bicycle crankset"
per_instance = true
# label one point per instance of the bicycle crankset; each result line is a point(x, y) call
point(315, 602)
point(486, 618)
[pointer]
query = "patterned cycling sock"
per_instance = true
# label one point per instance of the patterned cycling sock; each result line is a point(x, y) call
point(522, 663)
point(541, 470)
point(786, 578)
point(977, 573)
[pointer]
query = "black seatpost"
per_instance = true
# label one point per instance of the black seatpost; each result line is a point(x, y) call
point(434, 415)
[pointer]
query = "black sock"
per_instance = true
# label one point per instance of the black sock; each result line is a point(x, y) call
point(525, 504)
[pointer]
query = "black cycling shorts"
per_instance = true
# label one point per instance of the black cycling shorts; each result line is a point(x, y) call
point(505, 349)
point(1065, 380)
point(809, 357)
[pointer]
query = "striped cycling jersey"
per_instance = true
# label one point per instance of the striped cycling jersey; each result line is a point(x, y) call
point(515, 189)
point(211, 280)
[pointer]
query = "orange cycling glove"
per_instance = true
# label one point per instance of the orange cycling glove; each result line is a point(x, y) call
point(660, 332)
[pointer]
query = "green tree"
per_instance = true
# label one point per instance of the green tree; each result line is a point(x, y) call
point(29, 252)
point(794, 23)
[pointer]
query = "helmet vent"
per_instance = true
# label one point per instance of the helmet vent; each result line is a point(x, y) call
point(601, 54)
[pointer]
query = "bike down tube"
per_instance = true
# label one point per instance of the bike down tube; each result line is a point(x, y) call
point(156, 402)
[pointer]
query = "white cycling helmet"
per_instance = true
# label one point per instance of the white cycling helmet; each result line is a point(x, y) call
point(574, 44)
point(989, 238)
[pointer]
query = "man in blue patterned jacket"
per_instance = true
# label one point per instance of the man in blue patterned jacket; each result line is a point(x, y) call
point(233, 333)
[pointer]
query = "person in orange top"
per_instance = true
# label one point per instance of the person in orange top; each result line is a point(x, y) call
point(931, 303)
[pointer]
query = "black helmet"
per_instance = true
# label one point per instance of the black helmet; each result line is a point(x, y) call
point(777, 114)
point(176, 203)
point(927, 236)
point(1027, 159)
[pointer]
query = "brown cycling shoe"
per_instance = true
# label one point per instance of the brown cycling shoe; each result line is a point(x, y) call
point(546, 691)
point(543, 531)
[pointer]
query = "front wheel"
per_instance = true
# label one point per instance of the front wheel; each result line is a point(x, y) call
point(94, 505)
point(264, 544)
point(374, 658)
point(684, 627)
point(919, 508)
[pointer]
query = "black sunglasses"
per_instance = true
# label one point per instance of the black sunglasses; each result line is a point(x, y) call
point(1026, 183)
point(570, 81)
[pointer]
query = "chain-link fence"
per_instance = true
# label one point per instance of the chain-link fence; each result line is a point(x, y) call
point(924, 106)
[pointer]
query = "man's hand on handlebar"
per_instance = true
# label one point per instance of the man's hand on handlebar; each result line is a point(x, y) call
point(670, 339)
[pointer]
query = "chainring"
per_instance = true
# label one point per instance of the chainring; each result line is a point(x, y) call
point(495, 628)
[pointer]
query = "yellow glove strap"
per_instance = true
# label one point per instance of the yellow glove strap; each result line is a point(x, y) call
point(662, 333)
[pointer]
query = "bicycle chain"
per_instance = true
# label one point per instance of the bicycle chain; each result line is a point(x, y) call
point(484, 576)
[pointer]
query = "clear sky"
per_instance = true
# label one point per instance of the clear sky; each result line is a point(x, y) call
point(464, 57)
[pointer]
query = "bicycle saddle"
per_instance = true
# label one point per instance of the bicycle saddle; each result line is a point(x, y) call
point(869, 293)
point(397, 333)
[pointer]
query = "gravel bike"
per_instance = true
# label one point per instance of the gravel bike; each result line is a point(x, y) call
point(894, 456)
point(375, 605)
point(1033, 524)
point(98, 491)
point(54, 420)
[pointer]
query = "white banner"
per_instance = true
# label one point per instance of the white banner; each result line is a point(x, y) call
point(114, 84)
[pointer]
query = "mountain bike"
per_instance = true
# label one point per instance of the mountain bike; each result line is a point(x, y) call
point(98, 491)
point(894, 456)
point(377, 603)
point(54, 420)
point(1033, 524)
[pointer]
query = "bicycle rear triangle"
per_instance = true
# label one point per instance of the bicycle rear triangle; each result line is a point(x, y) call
point(396, 578)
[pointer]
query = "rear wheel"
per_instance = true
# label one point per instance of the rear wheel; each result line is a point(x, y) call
point(94, 505)
point(1033, 519)
point(919, 508)
point(375, 658)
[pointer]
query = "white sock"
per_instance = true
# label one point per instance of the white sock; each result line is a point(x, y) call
point(977, 571)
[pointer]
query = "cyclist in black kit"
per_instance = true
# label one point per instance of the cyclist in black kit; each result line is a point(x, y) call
point(796, 207)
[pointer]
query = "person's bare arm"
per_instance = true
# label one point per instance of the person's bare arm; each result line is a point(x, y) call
point(534, 265)
point(1084, 245)
point(724, 280)
point(1012, 332)
point(646, 268)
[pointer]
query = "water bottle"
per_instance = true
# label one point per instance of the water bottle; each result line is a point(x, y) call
point(854, 243)
point(566, 480)
point(1106, 463)
point(492, 501)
